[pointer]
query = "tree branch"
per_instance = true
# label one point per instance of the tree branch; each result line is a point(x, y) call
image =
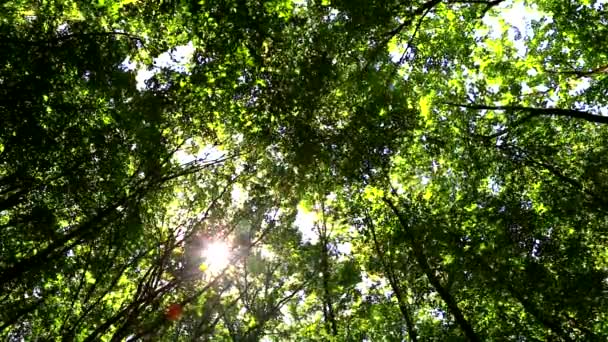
point(588, 73)
point(420, 10)
point(421, 258)
point(489, 4)
point(392, 279)
point(427, 6)
point(534, 111)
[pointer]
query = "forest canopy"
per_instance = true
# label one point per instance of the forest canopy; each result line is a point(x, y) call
point(304, 170)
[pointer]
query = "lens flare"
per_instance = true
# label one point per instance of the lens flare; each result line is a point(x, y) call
point(217, 256)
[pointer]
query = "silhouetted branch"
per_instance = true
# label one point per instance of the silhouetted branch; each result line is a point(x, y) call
point(586, 73)
point(431, 275)
point(533, 111)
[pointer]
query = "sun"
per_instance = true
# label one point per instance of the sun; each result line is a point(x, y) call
point(217, 256)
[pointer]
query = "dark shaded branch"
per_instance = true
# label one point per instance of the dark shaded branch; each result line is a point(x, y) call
point(160, 321)
point(252, 333)
point(100, 297)
point(586, 73)
point(420, 10)
point(489, 4)
point(411, 40)
point(328, 310)
point(57, 248)
point(69, 36)
point(101, 34)
point(81, 284)
point(555, 171)
point(393, 282)
point(422, 261)
point(540, 315)
point(134, 307)
point(19, 313)
point(533, 111)
point(512, 126)
point(406, 23)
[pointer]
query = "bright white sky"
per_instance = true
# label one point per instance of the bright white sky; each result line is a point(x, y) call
point(305, 222)
point(517, 14)
point(177, 60)
point(217, 256)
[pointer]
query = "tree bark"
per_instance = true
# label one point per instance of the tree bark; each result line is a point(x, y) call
point(534, 111)
point(433, 279)
point(328, 310)
point(393, 282)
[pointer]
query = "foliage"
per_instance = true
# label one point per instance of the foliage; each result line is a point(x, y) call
point(378, 170)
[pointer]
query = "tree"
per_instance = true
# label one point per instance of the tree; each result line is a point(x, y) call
point(372, 170)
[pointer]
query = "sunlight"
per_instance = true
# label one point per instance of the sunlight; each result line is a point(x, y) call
point(217, 256)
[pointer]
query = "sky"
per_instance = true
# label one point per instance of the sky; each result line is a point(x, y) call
point(176, 60)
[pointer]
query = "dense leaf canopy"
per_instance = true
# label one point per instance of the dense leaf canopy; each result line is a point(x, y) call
point(304, 170)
